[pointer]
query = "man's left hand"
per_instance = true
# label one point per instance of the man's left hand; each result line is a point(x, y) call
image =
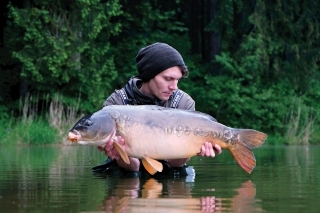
point(207, 150)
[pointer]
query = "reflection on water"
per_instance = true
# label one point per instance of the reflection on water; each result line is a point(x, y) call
point(151, 195)
point(59, 179)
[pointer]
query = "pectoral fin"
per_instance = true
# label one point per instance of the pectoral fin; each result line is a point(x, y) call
point(122, 153)
point(151, 165)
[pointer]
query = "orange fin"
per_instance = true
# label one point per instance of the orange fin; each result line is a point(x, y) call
point(151, 165)
point(151, 189)
point(247, 140)
point(122, 153)
point(252, 138)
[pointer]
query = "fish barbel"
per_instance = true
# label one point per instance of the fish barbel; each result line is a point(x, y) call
point(153, 132)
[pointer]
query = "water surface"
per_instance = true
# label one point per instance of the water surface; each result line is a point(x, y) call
point(59, 179)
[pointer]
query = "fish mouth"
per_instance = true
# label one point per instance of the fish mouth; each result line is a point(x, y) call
point(74, 136)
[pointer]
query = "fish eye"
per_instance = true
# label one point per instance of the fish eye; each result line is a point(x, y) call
point(87, 122)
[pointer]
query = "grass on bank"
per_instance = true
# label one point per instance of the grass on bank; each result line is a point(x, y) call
point(39, 131)
point(300, 124)
point(29, 129)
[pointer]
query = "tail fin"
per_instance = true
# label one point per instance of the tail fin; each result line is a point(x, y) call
point(246, 141)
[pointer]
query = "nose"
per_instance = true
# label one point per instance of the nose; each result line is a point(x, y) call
point(174, 85)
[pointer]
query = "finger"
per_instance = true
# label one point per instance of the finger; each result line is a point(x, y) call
point(107, 148)
point(217, 148)
point(117, 157)
point(203, 150)
point(207, 205)
point(106, 153)
point(113, 154)
point(211, 151)
point(121, 140)
point(207, 145)
point(109, 145)
point(200, 152)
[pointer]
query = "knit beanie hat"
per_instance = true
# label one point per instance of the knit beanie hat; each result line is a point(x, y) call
point(155, 58)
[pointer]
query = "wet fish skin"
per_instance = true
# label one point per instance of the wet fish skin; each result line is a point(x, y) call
point(153, 132)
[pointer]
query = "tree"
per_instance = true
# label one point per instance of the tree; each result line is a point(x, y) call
point(65, 47)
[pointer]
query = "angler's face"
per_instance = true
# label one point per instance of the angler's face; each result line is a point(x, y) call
point(95, 127)
point(163, 84)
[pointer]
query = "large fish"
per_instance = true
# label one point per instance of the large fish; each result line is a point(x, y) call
point(153, 132)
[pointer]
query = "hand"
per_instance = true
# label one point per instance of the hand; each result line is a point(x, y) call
point(209, 204)
point(110, 151)
point(207, 150)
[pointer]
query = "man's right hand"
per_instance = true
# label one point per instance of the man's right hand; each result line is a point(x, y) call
point(110, 151)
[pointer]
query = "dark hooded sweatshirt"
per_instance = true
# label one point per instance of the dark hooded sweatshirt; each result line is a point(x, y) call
point(133, 96)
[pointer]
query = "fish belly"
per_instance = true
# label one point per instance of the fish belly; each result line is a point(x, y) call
point(165, 133)
point(159, 144)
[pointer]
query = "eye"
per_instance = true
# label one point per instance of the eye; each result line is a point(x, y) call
point(87, 122)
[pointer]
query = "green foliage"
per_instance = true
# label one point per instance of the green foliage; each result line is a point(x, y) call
point(65, 47)
point(36, 132)
point(265, 61)
point(32, 128)
point(267, 56)
point(300, 122)
point(3, 130)
point(3, 113)
point(143, 23)
point(291, 34)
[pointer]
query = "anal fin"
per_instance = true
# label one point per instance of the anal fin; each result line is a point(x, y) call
point(151, 165)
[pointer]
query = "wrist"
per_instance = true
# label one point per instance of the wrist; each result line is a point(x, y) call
point(132, 166)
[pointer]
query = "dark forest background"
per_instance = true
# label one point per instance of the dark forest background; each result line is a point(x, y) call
point(253, 64)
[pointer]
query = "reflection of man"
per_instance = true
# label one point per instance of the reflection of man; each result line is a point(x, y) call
point(172, 195)
point(151, 195)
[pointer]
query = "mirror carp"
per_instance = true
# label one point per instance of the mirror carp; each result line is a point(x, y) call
point(153, 132)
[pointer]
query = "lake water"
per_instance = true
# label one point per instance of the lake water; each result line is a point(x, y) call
point(59, 179)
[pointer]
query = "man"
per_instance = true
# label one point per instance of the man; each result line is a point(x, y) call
point(160, 68)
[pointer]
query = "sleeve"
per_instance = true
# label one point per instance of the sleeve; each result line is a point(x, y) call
point(186, 102)
point(113, 99)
